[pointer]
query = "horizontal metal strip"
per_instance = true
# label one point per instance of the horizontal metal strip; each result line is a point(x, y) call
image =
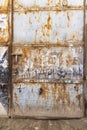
point(21, 81)
point(5, 44)
point(48, 44)
point(5, 10)
point(47, 9)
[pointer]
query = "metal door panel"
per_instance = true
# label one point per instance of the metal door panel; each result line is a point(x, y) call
point(48, 100)
point(4, 27)
point(39, 4)
point(4, 81)
point(4, 4)
point(47, 58)
point(47, 64)
point(44, 27)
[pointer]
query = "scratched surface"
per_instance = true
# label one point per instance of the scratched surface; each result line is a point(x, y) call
point(3, 80)
point(39, 4)
point(44, 27)
point(47, 64)
point(54, 100)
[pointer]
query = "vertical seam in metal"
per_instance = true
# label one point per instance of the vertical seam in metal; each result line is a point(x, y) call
point(84, 57)
point(84, 39)
point(10, 60)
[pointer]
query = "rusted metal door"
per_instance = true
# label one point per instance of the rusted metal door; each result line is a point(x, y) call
point(47, 65)
point(5, 14)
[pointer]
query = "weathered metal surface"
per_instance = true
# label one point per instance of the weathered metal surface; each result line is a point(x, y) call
point(46, 4)
point(4, 27)
point(3, 65)
point(3, 99)
point(54, 100)
point(44, 27)
point(4, 4)
point(4, 39)
point(3, 80)
point(48, 64)
point(47, 61)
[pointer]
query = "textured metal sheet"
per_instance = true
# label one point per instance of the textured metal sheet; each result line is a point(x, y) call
point(47, 64)
point(4, 4)
point(38, 4)
point(50, 100)
point(4, 27)
point(47, 61)
point(3, 80)
point(62, 28)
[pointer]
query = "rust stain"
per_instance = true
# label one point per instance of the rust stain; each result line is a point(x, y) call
point(59, 89)
point(45, 91)
point(26, 52)
point(16, 97)
point(48, 25)
point(4, 4)
point(68, 60)
point(46, 29)
point(79, 97)
point(36, 35)
point(68, 17)
point(50, 5)
point(5, 29)
point(54, 91)
point(35, 61)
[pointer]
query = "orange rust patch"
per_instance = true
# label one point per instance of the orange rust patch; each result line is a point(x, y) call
point(48, 25)
point(26, 52)
point(68, 60)
point(45, 90)
point(4, 4)
point(16, 97)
